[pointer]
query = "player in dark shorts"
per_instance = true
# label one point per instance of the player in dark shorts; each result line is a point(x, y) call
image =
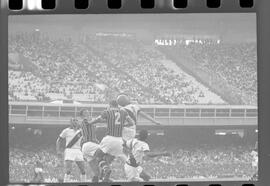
point(116, 118)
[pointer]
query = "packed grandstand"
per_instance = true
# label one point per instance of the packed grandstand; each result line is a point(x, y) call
point(233, 162)
point(95, 68)
point(45, 68)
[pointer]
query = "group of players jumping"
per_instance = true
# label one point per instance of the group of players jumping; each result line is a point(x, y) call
point(81, 145)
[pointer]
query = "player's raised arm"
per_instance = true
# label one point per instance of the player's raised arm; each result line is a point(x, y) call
point(99, 119)
point(85, 115)
point(148, 117)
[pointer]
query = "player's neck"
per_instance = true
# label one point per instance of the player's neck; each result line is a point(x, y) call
point(74, 128)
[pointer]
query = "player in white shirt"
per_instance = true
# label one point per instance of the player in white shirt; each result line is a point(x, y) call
point(72, 136)
point(137, 149)
point(134, 112)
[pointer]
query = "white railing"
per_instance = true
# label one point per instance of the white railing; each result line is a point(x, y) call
point(49, 110)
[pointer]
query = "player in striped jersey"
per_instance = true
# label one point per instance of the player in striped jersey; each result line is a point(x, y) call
point(72, 136)
point(89, 141)
point(116, 118)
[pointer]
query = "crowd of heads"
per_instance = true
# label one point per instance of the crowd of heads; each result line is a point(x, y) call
point(94, 68)
point(185, 162)
point(230, 66)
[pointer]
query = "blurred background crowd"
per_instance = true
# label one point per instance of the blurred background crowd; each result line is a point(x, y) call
point(93, 69)
point(188, 162)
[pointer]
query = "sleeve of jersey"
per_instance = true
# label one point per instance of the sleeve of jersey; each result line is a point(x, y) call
point(146, 147)
point(138, 108)
point(63, 134)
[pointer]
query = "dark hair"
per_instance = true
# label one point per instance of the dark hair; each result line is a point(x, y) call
point(73, 120)
point(113, 103)
point(143, 135)
point(82, 111)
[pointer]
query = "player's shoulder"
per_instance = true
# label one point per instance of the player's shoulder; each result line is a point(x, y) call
point(123, 109)
point(143, 144)
point(128, 106)
point(132, 106)
point(66, 129)
point(136, 106)
point(65, 132)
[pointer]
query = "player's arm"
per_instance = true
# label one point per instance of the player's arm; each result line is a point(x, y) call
point(100, 119)
point(148, 117)
point(97, 120)
point(59, 142)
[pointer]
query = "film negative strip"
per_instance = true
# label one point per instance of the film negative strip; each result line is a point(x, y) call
point(135, 92)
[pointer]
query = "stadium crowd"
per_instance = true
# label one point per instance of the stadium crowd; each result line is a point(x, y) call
point(233, 64)
point(71, 68)
point(47, 68)
point(187, 162)
point(146, 65)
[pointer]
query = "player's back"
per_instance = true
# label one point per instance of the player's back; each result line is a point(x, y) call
point(115, 119)
point(88, 132)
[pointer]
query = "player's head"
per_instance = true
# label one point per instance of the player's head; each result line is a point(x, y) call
point(84, 113)
point(123, 100)
point(113, 104)
point(143, 135)
point(74, 123)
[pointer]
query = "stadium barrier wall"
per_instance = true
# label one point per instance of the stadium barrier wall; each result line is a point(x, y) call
point(174, 115)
